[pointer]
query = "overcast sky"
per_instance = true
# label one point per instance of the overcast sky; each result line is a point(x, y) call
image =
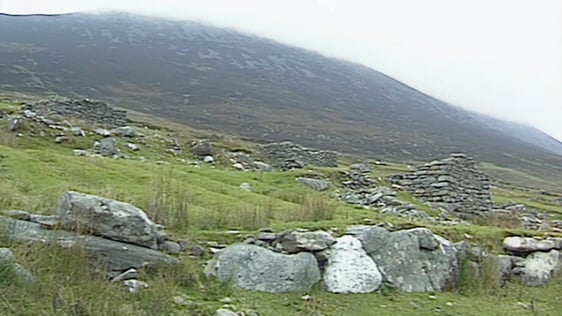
point(500, 57)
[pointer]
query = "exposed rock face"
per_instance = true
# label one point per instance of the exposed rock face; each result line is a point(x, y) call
point(284, 152)
point(414, 260)
point(255, 268)
point(88, 110)
point(453, 184)
point(316, 184)
point(350, 269)
point(107, 218)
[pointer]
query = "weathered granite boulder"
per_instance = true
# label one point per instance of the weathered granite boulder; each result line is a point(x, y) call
point(316, 184)
point(540, 267)
point(107, 218)
point(106, 147)
point(350, 269)
point(256, 268)
point(202, 149)
point(294, 241)
point(414, 260)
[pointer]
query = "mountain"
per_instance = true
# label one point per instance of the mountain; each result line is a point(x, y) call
point(223, 80)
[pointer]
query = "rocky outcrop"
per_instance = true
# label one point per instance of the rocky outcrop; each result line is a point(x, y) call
point(288, 155)
point(107, 218)
point(453, 184)
point(255, 268)
point(350, 269)
point(413, 260)
point(92, 111)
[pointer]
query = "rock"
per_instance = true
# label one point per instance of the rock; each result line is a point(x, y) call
point(60, 139)
point(208, 159)
point(414, 260)
point(107, 218)
point(102, 132)
point(225, 312)
point(15, 123)
point(77, 131)
point(262, 166)
point(106, 147)
point(525, 245)
point(350, 269)
point(238, 166)
point(294, 242)
point(255, 268)
point(29, 114)
point(127, 275)
point(540, 267)
point(202, 149)
point(288, 152)
point(111, 255)
point(134, 286)
point(124, 131)
point(7, 258)
point(316, 184)
point(132, 147)
point(10, 270)
point(246, 187)
point(170, 247)
point(80, 152)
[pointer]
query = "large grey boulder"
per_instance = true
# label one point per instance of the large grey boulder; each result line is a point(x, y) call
point(293, 241)
point(106, 147)
point(540, 267)
point(124, 131)
point(15, 123)
point(524, 245)
point(113, 256)
point(254, 268)
point(350, 269)
point(316, 184)
point(107, 218)
point(202, 149)
point(414, 260)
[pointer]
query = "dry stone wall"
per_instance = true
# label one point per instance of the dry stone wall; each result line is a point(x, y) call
point(96, 112)
point(288, 155)
point(453, 184)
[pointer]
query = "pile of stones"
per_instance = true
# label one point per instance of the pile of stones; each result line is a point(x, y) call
point(243, 162)
point(288, 155)
point(453, 184)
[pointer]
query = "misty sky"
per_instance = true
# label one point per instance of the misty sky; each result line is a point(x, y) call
point(500, 57)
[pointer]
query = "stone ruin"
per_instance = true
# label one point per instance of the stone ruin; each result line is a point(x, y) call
point(288, 155)
point(453, 184)
point(96, 112)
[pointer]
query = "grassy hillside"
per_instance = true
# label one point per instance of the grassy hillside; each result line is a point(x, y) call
point(204, 203)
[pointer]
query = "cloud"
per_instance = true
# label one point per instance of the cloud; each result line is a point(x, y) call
point(498, 57)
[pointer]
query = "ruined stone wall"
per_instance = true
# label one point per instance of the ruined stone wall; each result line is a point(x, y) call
point(453, 183)
point(85, 109)
point(284, 152)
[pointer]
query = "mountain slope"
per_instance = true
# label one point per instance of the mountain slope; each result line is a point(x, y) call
point(219, 79)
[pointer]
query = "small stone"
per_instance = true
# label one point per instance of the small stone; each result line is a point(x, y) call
point(226, 300)
point(134, 286)
point(60, 139)
point(306, 298)
point(238, 166)
point(225, 312)
point(170, 247)
point(246, 187)
point(208, 159)
point(132, 147)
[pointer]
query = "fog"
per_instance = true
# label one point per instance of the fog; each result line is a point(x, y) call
point(501, 57)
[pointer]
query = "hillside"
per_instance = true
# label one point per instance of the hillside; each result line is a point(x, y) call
point(222, 80)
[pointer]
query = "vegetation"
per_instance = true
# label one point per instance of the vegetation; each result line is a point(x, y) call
point(203, 203)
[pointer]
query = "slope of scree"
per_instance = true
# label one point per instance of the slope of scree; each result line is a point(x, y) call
point(219, 79)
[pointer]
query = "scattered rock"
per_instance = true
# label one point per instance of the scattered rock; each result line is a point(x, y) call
point(102, 132)
point(540, 267)
point(60, 139)
point(106, 147)
point(208, 159)
point(284, 152)
point(80, 152)
point(15, 123)
point(77, 131)
point(10, 270)
point(134, 286)
point(255, 268)
point(107, 218)
point(525, 245)
point(170, 247)
point(225, 312)
point(202, 149)
point(293, 241)
point(132, 147)
point(350, 269)
point(124, 131)
point(316, 184)
point(246, 187)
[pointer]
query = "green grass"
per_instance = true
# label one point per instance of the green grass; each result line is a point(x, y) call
point(202, 203)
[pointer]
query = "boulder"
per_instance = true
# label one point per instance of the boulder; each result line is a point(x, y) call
point(524, 245)
point(225, 312)
point(107, 218)
point(540, 267)
point(102, 132)
point(350, 269)
point(293, 241)
point(113, 256)
point(124, 131)
point(15, 123)
point(202, 148)
point(414, 260)
point(316, 184)
point(209, 159)
point(254, 268)
point(262, 166)
point(77, 131)
point(106, 147)
point(10, 270)
point(132, 147)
